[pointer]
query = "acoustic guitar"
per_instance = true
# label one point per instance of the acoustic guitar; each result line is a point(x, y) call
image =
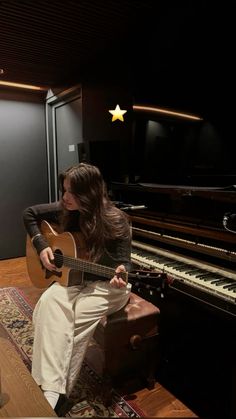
point(70, 258)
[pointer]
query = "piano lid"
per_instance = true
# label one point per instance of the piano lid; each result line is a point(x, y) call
point(203, 205)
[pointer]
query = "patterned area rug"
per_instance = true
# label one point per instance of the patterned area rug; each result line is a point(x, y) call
point(16, 322)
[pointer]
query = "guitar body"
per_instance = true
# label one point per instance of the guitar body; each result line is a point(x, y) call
point(65, 244)
point(71, 259)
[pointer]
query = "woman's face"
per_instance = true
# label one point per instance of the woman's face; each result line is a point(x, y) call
point(69, 200)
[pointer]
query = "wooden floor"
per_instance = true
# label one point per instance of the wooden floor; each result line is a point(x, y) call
point(158, 402)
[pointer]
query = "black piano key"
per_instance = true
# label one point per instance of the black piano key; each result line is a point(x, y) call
point(212, 278)
point(218, 281)
point(203, 274)
point(231, 286)
point(192, 271)
point(223, 281)
point(164, 260)
point(209, 276)
point(230, 282)
point(182, 268)
point(173, 263)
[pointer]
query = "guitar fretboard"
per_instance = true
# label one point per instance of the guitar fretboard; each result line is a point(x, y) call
point(86, 266)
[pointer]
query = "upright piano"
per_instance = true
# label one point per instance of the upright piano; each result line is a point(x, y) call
point(182, 232)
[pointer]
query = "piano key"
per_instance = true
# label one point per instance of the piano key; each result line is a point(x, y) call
point(182, 268)
point(218, 281)
point(207, 280)
point(174, 264)
point(211, 278)
point(193, 271)
point(222, 281)
point(227, 285)
point(211, 287)
point(203, 274)
point(230, 287)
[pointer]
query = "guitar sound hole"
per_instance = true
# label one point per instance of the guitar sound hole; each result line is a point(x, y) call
point(58, 258)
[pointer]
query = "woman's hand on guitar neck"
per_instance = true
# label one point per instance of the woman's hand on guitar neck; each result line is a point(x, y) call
point(47, 258)
point(117, 281)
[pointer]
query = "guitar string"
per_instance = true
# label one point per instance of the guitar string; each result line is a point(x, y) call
point(84, 265)
point(91, 267)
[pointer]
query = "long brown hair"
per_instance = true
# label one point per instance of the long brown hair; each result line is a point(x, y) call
point(99, 220)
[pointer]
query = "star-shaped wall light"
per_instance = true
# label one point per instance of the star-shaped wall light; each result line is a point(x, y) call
point(117, 113)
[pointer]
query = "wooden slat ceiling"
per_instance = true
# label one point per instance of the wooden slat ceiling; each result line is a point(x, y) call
point(42, 42)
point(52, 43)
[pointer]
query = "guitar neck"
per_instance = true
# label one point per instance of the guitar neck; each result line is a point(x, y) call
point(86, 266)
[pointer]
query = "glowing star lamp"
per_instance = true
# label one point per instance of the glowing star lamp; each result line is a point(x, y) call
point(117, 113)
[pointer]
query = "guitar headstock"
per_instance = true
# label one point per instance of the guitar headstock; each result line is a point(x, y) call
point(150, 283)
point(145, 275)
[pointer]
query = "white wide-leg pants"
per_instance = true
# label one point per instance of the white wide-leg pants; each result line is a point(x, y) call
point(65, 319)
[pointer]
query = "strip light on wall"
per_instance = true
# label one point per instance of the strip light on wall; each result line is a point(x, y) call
point(20, 85)
point(166, 112)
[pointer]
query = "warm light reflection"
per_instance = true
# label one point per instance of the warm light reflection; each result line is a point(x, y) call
point(20, 85)
point(167, 112)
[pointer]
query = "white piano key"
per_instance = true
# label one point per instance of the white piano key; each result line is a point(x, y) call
point(182, 269)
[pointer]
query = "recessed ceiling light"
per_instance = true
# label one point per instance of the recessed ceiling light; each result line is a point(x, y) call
point(21, 85)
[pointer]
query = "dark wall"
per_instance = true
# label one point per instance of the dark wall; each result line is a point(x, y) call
point(98, 99)
point(182, 56)
point(108, 144)
point(178, 55)
point(179, 151)
point(23, 165)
